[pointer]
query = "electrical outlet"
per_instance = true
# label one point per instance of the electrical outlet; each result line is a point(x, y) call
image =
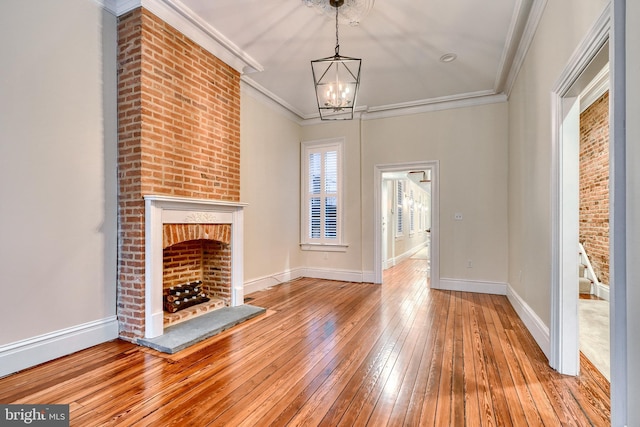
point(457, 216)
point(469, 264)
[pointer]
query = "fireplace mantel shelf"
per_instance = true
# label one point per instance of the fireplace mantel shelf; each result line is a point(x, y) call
point(183, 201)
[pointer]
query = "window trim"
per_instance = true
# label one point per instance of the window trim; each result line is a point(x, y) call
point(307, 243)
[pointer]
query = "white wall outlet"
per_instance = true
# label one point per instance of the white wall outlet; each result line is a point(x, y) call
point(457, 216)
point(469, 264)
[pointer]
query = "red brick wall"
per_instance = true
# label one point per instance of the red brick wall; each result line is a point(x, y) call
point(594, 185)
point(182, 263)
point(178, 135)
point(206, 260)
point(216, 270)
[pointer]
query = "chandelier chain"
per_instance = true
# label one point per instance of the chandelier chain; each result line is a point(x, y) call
point(337, 41)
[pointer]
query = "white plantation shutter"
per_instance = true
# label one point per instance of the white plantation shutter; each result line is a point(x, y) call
point(399, 208)
point(322, 173)
point(412, 212)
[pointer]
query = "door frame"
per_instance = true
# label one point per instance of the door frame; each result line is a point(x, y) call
point(564, 346)
point(434, 167)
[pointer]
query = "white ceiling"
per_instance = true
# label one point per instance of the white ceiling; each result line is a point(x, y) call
point(400, 43)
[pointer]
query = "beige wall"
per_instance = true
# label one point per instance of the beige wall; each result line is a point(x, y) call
point(270, 184)
point(530, 147)
point(351, 260)
point(57, 166)
point(470, 143)
point(471, 146)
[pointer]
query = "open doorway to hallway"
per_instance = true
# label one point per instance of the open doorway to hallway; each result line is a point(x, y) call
point(570, 98)
point(406, 216)
point(594, 247)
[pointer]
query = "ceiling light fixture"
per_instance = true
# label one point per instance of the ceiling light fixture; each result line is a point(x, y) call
point(448, 57)
point(336, 80)
point(351, 12)
point(424, 182)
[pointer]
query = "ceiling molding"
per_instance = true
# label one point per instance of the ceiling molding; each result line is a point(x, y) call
point(251, 88)
point(365, 113)
point(108, 5)
point(514, 35)
point(527, 38)
point(598, 87)
point(436, 104)
point(176, 14)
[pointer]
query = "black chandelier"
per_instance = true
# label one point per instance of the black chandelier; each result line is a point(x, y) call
point(336, 80)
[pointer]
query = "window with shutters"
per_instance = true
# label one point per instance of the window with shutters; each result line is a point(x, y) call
point(321, 218)
point(412, 212)
point(399, 208)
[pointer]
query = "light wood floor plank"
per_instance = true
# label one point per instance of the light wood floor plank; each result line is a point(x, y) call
point(332, 353)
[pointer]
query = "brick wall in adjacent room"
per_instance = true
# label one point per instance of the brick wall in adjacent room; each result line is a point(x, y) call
point(594, 185)
point(178, 135)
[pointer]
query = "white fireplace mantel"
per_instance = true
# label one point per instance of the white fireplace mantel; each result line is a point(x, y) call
point(161, 210)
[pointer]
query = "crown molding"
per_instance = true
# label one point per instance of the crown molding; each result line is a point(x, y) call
point(537, 8)
point(436, 104)
point(598, 87)
point(176, 14)
point(514, 35)
point(251, 88)
point(108, 5)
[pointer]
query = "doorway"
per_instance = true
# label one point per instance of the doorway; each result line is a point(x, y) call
point(406, 215)
point(582, 70)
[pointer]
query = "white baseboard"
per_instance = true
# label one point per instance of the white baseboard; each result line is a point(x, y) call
point(261, 283)
point(476, 286)
point(534, 324)
point(392, 262)
point(333, 274)
point(24, 354)
point(602, 291)
point(368, 277)
point(265, 282)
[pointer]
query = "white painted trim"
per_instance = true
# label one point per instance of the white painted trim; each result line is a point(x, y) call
point(621, 329)
point(564, 347)
point(249, 87)
point(109, 5)
point(368, 277)
point(265, 282)
point(334, 274)
point(602, 291)
point(183, 19)
point(324, 247)
point(160, 210)
point(535, 15)
point(23, 354)
point(518, 22)
point(434, 167)
point(407, 254)
point(476, 286)
point(598, 87)
point(533, 323)
point(435, 104)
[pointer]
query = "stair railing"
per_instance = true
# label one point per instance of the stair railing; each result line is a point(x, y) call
point(591, 274)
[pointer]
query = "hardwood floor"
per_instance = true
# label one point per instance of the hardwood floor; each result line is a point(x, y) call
point(332, 354)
